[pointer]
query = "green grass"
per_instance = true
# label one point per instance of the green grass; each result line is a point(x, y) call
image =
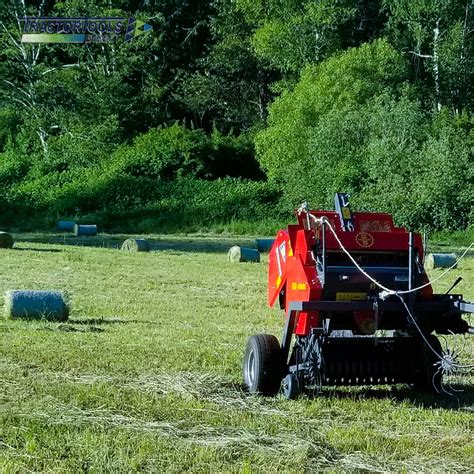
point(445, 239)
point(146, 374)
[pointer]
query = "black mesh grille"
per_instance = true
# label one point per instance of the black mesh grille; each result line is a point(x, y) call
point(368, 259)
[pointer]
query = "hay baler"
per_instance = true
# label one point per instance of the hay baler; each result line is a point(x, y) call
point(358, 303)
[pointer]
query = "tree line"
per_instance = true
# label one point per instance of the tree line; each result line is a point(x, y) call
point(235, 111)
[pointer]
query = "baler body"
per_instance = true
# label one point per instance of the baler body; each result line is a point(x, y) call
point(299, 272)
point(359, 307)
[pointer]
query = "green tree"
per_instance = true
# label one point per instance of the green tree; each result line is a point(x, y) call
point(348, 79)
point(437, 37)
point(230, 88)
point(292, 34)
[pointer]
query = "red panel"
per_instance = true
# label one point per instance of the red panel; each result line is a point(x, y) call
point(305, 240)
point(292, 231)
point(305, 322)
point(298, 281)
point(277, 265)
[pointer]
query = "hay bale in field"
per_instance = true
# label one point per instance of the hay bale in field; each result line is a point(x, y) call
point(264, 245)
point(243, 254)
point(6, 240)
point(136, 245)
point(82, 229)
point(37, 304)
point(440, 260)
point(66, 226)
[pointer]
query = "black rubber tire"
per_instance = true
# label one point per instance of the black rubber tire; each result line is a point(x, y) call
point(429, 377)
point(263, 365)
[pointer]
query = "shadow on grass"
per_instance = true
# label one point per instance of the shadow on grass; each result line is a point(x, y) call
point(33, 249)
point(461, 397)
point(179, 244)
point(91, 324)
point(71, 328)
point(102, 321)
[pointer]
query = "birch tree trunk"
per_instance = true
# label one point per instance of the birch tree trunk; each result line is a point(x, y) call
point(436, 65)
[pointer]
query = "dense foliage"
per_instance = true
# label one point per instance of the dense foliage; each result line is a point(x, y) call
point(238, 110)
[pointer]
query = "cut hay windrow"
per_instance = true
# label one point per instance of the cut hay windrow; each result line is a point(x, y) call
point(243, 254)
point(86, 230)
point(6, 240)
point(206, 435)
point(37, 304)
point(136, 245)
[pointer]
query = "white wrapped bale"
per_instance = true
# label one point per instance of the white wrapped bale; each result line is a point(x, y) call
point(37, 304)
point(243, 254)
point(6, 240)
point(87, 230)
point(440, 260)
point(264, 245)
point(66, 226)
point(136, 245)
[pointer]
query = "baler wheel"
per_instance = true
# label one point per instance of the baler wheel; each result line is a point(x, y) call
point(429, 378)
point(263, 365)
point(291, 387)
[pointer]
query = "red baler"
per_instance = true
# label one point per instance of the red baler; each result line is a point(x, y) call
point(358, 303)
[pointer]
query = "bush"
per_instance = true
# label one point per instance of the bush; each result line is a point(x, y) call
point(167, 174)
point(171, 152)
point(164, 153)
point(191, 204)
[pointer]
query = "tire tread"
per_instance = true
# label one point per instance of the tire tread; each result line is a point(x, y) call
point(268, 364)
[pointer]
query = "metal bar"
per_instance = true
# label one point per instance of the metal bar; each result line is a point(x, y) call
point(349, 306)
point(425, 247)
point(464, 306)
point(324, 254)
point(288, 332)
point(411, 296)
point(456, 283)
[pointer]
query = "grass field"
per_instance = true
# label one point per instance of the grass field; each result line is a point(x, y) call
point(146, 374)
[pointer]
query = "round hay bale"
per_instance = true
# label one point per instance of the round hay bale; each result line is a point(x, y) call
point(6, 240)
point(82, 229)
point(264, 245)
point(66, 226)
point(136, 245)
point(440, 260)
point(243, 254)
point(37, 304)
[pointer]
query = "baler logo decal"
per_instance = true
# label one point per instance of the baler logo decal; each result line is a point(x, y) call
point(364, 239)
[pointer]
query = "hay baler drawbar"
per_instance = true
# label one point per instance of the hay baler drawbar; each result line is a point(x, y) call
point(359, 303)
